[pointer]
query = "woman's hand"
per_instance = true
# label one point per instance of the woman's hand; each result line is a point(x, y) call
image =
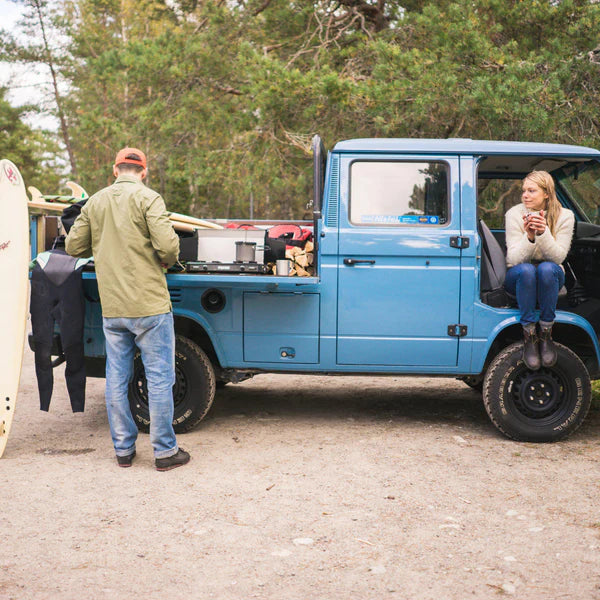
point(529, 230)
point(534, 224)
point(538, 223)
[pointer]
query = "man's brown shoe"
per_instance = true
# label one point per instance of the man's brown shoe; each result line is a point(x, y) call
point(172, 462)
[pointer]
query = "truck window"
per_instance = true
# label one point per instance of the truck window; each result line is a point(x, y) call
point(399, 193)
point(582, 183)
point(495, 197)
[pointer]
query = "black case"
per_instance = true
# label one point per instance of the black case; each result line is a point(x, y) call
point(188, 246)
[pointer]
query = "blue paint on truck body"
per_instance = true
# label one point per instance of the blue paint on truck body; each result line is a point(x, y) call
point(389, 287)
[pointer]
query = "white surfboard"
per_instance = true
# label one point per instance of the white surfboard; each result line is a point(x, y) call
point(14, 262)
point(77, 191)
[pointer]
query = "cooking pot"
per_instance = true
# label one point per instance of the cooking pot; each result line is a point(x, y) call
point(245, 252)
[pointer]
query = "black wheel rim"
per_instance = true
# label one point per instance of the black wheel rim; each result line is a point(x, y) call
point(139, 386)
point(540, 397)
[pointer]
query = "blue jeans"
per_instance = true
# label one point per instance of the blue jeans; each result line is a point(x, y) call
point(155, 338)
point(535, 284)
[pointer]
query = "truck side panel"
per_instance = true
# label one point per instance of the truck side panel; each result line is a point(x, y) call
point(281, 328)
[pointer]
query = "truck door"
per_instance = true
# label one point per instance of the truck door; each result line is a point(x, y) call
point(399, 261)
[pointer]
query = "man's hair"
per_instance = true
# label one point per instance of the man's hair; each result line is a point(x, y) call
point(128, 167)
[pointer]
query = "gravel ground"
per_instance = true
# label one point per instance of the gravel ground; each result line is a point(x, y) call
point(301, 488)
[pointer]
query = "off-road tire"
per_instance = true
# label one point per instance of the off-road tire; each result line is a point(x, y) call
point(193, 392)
point(536, 406)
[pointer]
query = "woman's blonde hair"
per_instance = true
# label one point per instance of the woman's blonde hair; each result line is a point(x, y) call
point(552, 210)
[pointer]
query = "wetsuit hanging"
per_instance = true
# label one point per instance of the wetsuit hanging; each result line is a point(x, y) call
point(57, 296)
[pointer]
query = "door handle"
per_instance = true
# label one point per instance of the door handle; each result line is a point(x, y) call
point(353, 261)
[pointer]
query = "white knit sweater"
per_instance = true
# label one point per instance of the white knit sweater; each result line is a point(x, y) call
point(545, 247)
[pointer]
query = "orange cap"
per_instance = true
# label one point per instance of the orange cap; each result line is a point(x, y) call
point(131, 156)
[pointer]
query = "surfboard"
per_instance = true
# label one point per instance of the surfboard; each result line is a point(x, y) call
point(37, 196)
point(78, 192)
point(14, 285)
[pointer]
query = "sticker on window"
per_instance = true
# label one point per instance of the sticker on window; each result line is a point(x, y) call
point(395, 219)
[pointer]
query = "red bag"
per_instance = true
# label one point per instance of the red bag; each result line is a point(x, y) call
point(293, 235)
point(244, 226)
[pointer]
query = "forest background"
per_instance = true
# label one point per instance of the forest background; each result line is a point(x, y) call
point(224, 95)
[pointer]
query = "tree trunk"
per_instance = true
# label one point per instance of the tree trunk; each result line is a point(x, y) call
point(61, 115)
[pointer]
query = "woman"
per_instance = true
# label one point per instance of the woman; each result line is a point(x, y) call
point(538, 238)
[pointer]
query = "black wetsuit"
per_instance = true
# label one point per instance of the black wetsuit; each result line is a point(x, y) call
point(57, 296)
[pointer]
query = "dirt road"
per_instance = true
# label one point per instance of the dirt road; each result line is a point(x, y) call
point(300, 488)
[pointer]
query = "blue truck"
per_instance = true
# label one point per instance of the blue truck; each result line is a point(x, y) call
point(408, 267)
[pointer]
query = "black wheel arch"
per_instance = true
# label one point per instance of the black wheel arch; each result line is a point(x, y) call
point(192, 330)
point(567, 334)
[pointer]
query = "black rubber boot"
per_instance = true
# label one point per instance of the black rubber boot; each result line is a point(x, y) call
point(531, 353)
point(548, 352)
point(172, 462)
point(125, 461)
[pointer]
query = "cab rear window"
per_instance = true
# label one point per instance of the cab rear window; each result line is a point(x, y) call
point(495, 196)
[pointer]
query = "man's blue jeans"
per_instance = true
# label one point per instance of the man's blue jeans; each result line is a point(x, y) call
point(535, 284)
point(155, 338)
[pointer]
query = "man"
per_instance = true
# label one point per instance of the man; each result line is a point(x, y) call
point(126, 228)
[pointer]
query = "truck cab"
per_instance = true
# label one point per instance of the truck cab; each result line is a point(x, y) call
point(400, 286)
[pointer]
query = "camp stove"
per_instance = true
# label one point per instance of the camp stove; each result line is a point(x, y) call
point(226, 267)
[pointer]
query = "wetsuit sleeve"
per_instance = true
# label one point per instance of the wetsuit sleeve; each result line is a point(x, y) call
point(79, 241)
point(162, 235)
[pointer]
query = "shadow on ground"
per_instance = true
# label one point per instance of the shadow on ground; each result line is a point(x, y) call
point(332, 399)
point(432, 401)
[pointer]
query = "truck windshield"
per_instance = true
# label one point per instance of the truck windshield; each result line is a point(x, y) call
point(582, 183)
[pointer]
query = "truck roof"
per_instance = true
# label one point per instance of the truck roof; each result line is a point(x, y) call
point(461, 146)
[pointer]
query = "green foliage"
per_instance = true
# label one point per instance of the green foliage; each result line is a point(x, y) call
point(596, 395)
point(225, 96)
point(29, 149)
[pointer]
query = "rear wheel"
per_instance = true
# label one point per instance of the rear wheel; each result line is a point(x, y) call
point(536, 406)
point(193, 392)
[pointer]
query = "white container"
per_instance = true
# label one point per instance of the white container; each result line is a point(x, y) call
point(283, 267)
point(218, 245)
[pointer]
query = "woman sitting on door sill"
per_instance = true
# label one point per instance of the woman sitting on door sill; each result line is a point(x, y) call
point(538, 238)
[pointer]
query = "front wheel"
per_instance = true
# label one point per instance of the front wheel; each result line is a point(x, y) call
point(193, 392)
point(537, 406)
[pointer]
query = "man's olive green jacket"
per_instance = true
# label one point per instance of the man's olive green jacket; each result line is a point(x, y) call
point(128, 231)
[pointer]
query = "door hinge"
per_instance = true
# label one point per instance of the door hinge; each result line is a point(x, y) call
point(457, 330)
point(460, 241)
